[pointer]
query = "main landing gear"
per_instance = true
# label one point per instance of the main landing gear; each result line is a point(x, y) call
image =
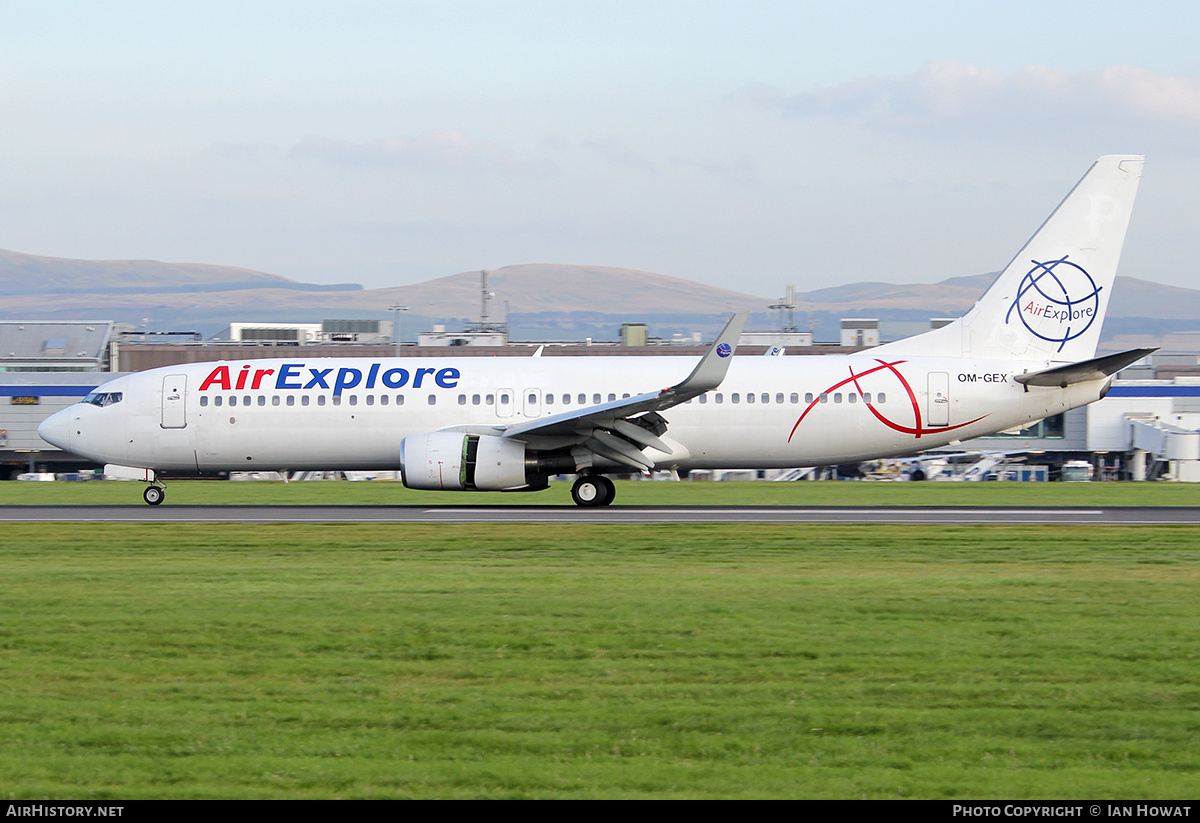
point(154, 494)
point(593, 490)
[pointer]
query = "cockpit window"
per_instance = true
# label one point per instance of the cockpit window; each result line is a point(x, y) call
point(97, 398)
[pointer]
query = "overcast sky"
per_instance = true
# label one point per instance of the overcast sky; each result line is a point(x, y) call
point(749, 144)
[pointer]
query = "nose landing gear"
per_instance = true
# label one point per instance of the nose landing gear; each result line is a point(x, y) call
point(154, 494)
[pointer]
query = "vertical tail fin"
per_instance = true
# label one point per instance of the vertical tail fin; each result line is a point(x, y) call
point(1049, 302)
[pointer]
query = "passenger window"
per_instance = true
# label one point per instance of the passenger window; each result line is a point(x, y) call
point(262, 400)
point(720, 398)
point(796, 398)
point(881, 398)
point(354, 400)
point(583, 399)
point(383, 401)
point(490, 399)
point(217, 400)
point(703, 399)
point(291, 399)
point(595, 399)
point(837, 397)
point(549, 400)
point(433, 399)
point(824, 397)
point(399, 400)
point(370, 400)
point(611, 397)
point(246, 400)
point(852, 397)
point(204, 400)
point(304, 399)
point(735, 398)
point(233, 399)
point(474, 400)
point(337, 400)
point(766, 398)
point(808, 397)
point(275, 400)
point(867, 397)
point(749, 398)
point(320, 400)
point(462, 400)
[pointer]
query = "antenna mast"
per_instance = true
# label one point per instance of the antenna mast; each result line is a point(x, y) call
point(788, 302)
point(485, 297)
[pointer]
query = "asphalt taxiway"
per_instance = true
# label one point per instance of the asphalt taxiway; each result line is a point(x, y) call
point(1111, 515)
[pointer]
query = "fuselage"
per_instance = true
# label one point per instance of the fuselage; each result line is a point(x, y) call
point(353, 413)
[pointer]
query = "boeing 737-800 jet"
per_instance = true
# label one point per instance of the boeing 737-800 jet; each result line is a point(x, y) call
point(1024, 352)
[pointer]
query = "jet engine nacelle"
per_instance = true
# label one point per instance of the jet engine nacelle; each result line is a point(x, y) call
point(454, 461)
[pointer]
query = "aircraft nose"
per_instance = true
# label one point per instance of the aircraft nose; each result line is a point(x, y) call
point(56, 430)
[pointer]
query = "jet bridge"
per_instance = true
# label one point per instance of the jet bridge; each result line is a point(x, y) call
point(1176, 446)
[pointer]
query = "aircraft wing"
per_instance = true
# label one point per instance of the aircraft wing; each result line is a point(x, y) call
point(607, 429)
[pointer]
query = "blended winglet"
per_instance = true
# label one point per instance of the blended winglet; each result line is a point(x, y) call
point(712, 368)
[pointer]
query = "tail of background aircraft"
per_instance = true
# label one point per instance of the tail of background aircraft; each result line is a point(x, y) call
point(1049, 303)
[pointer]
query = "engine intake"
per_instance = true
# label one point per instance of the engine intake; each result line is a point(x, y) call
point(454, 461)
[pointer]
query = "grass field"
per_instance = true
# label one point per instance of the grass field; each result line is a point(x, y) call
point(803, 493)
point(180, 661)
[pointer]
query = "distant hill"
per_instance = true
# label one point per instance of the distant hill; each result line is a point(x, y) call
point(930, 298)
point(31, 274)
point(1131, 297)
point(199, 295)
point(554, 301)
point(546, 287)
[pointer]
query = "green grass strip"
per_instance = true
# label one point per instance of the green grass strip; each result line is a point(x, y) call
point(278, 661)
point(629, 493)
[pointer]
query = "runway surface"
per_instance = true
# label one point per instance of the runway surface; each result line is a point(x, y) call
point(1115, 515)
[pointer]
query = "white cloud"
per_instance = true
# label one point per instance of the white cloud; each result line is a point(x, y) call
point(949, 93)
point(741, 170)
point(440, 150)
point(618, 153)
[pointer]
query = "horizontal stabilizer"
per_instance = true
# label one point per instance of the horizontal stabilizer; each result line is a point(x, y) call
point(1095, 369)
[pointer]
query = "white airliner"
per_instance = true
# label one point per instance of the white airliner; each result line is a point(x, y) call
point(1024, 352)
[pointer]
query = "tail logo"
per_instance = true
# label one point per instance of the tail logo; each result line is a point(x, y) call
point(1057, 301)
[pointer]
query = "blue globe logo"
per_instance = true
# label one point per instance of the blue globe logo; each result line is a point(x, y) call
point(724, 350)
point(1057, 301)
